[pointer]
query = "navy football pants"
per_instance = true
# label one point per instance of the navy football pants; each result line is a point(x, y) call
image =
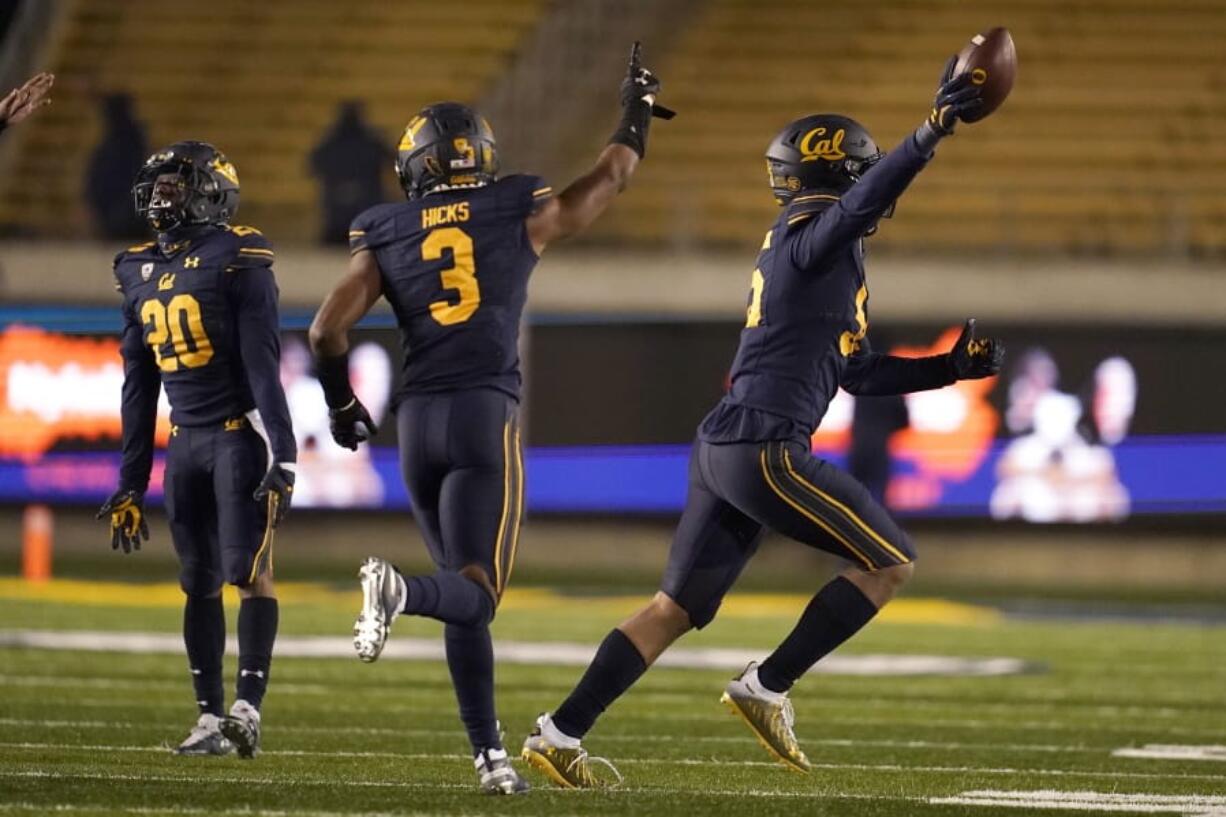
point(737, 490)
point(221, 534)
point(462, 462)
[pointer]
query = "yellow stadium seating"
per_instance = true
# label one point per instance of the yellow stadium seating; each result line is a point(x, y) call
point(1110, 142)
point(260, 80)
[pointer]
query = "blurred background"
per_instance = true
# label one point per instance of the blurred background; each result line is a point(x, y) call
point(1083, 224)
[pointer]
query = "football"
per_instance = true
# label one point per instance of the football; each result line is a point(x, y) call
point(991, 61)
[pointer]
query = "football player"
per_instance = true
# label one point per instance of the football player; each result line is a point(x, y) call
point(454, 262)
point(200, 319)
point(751, 466)
point(21, 103)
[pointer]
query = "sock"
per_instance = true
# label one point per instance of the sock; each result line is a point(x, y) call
point(204, 636)
point(450, 598)
point(614, 670)
point(257, 630)
point(470, 658)
point(835, 614)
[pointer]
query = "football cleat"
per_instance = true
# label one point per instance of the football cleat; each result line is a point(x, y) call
point(769, 715)
point(205, 739)
point(496, 774)
point(381, 603)
point(567, 767)
point(242, 727)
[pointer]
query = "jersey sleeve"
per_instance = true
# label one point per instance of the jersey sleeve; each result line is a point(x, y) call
point(371, 230)
point(523, 195)
point(253, 301)
point(139, 403)
point(860, 207)
point(251, 249)
point(869, 373)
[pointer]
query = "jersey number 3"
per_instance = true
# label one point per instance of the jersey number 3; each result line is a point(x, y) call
point(462, 276)
point(166, 324)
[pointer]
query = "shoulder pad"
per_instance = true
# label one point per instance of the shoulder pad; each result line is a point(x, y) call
point(806, 206)
point(373, 227)
point(521, 195)
point(251, 248)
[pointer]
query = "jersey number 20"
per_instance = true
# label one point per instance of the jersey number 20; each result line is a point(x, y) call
point(462, 277)
point(167, 324)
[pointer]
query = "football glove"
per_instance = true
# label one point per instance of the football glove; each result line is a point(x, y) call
point(972, 359)
point(127, 513)
point(351, 424)
point(277, 489)
point(956, 96)
point(640, 83)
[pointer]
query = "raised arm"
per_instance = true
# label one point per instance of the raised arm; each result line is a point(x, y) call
point(21, 102)
point(869, 199)
point(581, 203)
point(349, 300)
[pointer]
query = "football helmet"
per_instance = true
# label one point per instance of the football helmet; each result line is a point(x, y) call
point(207, 183)
point(825, 152)
point(445, 147)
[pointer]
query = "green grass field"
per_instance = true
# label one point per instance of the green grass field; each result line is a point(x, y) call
point(85, 733)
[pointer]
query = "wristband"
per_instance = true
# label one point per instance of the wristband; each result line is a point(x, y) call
point(333, 373)
point(632, 130)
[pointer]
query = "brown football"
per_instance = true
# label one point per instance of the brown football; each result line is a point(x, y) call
point(991, 60)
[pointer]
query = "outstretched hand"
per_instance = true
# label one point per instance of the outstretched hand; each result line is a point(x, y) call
point(972, 359)
point(641, 83)
point(24, 101)
point(956, 97)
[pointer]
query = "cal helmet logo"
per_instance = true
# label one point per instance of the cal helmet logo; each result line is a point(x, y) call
point(468, 156)
point(146, 271)
point(410, 132)
point(223, 167)
point(814, 145)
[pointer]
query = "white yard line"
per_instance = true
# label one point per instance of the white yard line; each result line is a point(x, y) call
point(705, 761)
point(517, 652)
point(1188, 805)
point(1166, 751)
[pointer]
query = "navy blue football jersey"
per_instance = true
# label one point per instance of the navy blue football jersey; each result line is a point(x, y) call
point(455, 267)
point(200, 316)
point(807, 321)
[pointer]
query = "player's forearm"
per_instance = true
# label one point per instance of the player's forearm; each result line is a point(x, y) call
point(868, 199)
point(878, 375)
point(582, 202)
point(139, 417)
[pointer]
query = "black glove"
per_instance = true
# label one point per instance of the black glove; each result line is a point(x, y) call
point(956, 96)
point(351, 424)
point(638, 92)
point(972, 359)
point(127, 513)
point(640, 83)
point(277, 489)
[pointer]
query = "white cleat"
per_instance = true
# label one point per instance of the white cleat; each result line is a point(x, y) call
point(496, 775)
point(205, 739)
point(242, 728)
point(381, 603)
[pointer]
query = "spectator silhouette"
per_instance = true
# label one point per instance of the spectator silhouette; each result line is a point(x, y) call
point(113, 167)
point(349, 162)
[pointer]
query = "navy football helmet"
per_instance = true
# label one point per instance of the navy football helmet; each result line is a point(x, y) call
point(823, 152)
point(445, 147)
point(207, 187)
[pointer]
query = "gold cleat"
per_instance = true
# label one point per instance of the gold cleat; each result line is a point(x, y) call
point(566, 768)
point(769, 715)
